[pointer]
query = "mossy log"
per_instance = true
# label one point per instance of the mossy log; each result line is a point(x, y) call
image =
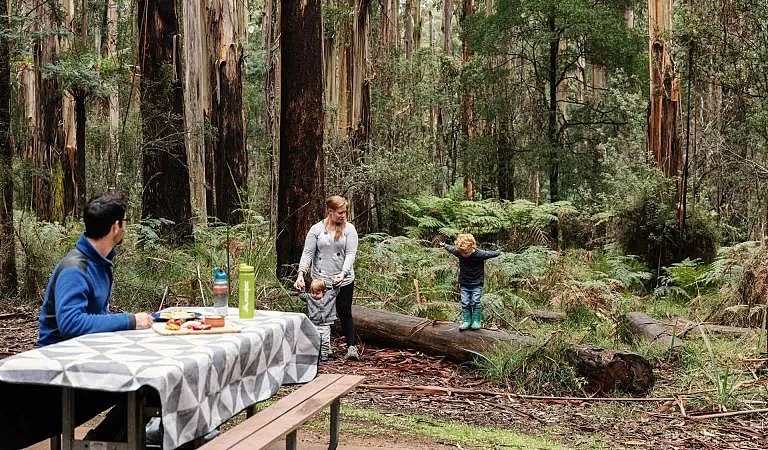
point(604, 370)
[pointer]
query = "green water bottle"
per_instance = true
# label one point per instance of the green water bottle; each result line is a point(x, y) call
point(247, 294)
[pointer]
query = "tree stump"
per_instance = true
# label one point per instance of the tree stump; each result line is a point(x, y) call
point(610, 370)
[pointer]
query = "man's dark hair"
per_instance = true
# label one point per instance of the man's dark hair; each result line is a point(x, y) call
point(101, 212)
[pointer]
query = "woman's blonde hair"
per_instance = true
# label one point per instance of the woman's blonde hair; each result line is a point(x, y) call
point(317, 286)
point(333, 203)
point(466, 243)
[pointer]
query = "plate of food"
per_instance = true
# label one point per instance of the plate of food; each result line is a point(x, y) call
point(175, 314)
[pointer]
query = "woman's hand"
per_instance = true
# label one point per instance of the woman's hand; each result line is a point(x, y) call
point(337, 279)
point(299, 283)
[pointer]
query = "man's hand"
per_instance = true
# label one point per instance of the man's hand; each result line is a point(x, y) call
point(337, 279)
point(143, 320)
point(299, 283)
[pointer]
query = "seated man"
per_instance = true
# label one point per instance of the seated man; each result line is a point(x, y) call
point(76, 302)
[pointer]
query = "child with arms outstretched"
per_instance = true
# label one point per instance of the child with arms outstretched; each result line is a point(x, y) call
point(471, 278)
point(321, 309)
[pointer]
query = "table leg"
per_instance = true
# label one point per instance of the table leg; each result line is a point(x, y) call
point(67, 418)
point(56, 442)
point(290, 440)
point(335, 407)
point(135, 428)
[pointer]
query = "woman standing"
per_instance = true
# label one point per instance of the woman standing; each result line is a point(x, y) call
point(331, 247)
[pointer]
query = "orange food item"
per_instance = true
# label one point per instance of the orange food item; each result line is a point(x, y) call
point(214, 321)
point(173, 324)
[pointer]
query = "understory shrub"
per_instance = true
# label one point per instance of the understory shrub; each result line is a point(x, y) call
point(648, 228)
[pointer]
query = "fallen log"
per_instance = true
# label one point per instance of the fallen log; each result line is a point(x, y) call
point(604, 370)
point(433, 337)
point(546, 315)
point(692, 329)
point(640, 323)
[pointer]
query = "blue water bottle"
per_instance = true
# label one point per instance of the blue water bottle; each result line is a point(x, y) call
point(220, 291)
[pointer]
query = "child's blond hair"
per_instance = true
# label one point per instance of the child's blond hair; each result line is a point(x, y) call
point(466, 243)
point(317, 286)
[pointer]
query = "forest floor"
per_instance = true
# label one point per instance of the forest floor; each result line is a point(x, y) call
point(405, 382)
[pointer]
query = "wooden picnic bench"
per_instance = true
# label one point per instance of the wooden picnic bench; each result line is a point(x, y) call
point(286, 415)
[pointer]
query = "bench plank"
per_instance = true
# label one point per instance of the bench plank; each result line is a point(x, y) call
point(309, 399)
point(290, 421)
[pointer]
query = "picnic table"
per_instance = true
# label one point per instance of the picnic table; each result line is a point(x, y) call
point(200, 380)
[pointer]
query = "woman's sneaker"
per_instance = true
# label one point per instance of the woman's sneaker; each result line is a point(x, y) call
point(352, 353)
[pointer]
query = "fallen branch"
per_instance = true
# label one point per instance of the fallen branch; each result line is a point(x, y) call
point(729, 414)
point(546, 315)
point(447, 390)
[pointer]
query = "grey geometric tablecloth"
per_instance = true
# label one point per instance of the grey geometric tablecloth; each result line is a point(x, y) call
point(202, 380)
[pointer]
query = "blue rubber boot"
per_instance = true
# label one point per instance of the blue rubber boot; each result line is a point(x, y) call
point(466, 313)
point(477, 317)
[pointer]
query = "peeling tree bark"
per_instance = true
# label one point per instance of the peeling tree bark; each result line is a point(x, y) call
point(196, 104)
point(226, 149)
point(664, 108)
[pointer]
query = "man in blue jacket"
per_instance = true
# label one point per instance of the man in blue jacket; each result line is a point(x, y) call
point(76, 300)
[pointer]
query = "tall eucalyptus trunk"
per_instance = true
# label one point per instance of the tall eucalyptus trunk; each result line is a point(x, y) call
point(165, 194)
point(72, 177)
point(553, 144)
point(48, 142)
point(113, 102)
point(664, 109)
point(196, 103)
point(225, 31)
point(448, 27)
point(360, 129)
point(8, 283)
point(270, 41)
point(408, 27)
point(467, 111)
point(301, 181)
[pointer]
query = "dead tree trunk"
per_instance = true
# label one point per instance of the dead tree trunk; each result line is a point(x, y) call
point(604, 370)
point(642, 324)
point(301, 182)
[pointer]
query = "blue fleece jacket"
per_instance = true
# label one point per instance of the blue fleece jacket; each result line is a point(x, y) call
point(76, 300)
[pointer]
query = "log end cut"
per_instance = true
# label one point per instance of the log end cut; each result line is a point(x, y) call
point(608, 370)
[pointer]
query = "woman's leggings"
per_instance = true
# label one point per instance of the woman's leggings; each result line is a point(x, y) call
point(344, 311)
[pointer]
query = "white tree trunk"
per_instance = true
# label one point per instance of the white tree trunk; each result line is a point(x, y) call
point(196, 102)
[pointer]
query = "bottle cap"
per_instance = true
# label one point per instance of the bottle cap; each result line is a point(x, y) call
point(219, 274)
point(245, 268)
